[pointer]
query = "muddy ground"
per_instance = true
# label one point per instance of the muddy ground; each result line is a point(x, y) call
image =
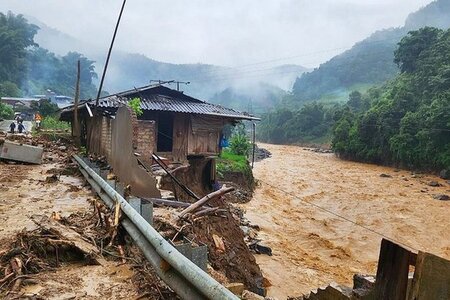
point(311, 247)
point(55, 189)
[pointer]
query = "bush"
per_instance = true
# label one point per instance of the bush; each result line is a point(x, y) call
point(6, 111)
point(54, 124)
point(135, 105)
point(239, 144)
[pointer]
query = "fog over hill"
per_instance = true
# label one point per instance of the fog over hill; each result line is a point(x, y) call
point(210, 82)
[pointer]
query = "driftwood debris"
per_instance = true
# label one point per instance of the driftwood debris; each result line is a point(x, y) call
point(193, 207)
point(68, 236)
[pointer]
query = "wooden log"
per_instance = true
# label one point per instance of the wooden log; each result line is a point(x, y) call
point(165, 202)
point(206, 211)
point(193, 207)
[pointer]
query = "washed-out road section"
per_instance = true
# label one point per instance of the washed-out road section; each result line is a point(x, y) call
point(311, 247)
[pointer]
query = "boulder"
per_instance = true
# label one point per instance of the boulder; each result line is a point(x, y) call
point(434, 184)
point(442, 197)
point(445, 174)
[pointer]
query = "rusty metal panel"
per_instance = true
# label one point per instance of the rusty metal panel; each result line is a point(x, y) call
point(122, 159)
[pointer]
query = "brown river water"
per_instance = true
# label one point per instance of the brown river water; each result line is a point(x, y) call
point(313, 248)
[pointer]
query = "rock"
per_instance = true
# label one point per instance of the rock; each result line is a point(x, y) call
point(62, 148)
point(385, 175)
point(434, 184)
point(236, 288)
point(444, 174)
point(247, 295)
point(260, 249)
point(441, 197)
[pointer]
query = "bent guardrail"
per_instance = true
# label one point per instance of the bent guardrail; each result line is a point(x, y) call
point(183, 276)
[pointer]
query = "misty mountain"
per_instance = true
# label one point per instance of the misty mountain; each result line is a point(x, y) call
point(368, 62)
point(256, 99)
point(127, 70)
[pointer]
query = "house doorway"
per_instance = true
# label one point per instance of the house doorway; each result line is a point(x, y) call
point(165, 132)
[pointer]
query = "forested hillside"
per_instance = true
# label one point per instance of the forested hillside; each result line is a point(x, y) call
point(367, 63)
point(408, 119)
point(27, 69)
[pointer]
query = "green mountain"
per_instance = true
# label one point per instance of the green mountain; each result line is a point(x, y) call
point(407, 121)
point(368, 62)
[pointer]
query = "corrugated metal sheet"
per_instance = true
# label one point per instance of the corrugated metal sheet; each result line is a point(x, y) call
point(166, 103)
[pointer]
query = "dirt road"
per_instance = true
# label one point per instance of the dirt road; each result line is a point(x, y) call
point(24, 192)
point(311, 247)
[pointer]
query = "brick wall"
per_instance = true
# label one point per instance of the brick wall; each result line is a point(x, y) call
point(106, 137)
point(145, 135)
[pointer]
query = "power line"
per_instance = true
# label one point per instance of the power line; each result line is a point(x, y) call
point(337, 215)
point(233, 69)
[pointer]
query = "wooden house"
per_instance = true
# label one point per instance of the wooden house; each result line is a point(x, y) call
point(172, 125)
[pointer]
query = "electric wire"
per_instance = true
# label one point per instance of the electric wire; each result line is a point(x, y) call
point(339, 216)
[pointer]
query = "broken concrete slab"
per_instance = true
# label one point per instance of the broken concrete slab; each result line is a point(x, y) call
point(21, 152)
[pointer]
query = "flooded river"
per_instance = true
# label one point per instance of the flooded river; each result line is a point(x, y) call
point(312, 247)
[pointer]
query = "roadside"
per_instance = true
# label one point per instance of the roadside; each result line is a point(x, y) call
point(4, 125)
point(55, 190)
point(312, 248)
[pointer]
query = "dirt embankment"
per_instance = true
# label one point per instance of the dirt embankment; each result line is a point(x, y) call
point(311, 247)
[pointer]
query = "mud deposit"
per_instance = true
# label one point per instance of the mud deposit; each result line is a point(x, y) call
point(312, 248)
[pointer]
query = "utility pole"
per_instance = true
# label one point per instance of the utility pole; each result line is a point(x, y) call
point(109, 55)
point(183, 82)
point(76, 125)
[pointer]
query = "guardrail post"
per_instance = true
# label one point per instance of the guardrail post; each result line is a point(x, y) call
point(135, 203)
point(147, 211)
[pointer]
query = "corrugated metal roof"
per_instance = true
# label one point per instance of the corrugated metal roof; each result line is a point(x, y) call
point(166, 103)
point(161, 98)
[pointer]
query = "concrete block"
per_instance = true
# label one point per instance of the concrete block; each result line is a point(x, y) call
point(19, 152)
point(147, 212)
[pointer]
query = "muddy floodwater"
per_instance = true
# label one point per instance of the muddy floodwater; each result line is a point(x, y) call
point(311, 247)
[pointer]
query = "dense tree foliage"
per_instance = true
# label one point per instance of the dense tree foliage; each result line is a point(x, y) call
point(408, 119)
point(27, 69)
point(312, 123)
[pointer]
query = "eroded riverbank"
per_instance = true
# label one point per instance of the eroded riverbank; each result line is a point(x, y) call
point(312, 247)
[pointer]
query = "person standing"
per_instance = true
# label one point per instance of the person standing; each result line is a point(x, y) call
point(21, 128)
point(12, 127)
point(38, 119)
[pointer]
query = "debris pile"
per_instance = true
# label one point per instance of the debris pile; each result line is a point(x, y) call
point(219, 229)
point(261, 153)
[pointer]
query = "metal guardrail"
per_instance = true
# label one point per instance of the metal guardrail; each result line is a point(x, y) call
point(178, 272)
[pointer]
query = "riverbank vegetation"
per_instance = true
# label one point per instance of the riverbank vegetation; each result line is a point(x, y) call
point(404, 122)
point(408, 119)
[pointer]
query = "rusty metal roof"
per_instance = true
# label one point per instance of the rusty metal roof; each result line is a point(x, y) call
point(164, 99)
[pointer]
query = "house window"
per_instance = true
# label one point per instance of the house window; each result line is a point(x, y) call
point(165, 132)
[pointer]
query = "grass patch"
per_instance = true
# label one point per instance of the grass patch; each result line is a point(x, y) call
point(51, 123)
point(229, 162)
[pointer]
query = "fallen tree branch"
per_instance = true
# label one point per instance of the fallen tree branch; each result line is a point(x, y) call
point(193, 207)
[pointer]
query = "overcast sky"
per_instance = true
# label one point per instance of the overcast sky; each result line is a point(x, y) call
point(224, 32)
